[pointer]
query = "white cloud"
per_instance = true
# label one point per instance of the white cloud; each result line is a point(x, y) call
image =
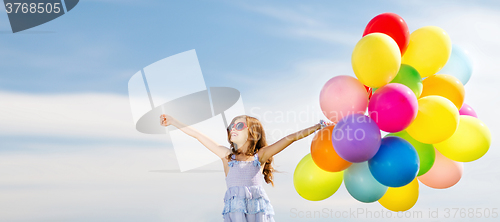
point(326, 35)
point(303, 22)
point(82, 115)
point(104, 182)
point(287, 15)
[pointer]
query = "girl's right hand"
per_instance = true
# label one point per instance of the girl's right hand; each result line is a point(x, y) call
point(166, 120)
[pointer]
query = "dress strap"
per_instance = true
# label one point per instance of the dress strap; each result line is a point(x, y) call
point(256, 161)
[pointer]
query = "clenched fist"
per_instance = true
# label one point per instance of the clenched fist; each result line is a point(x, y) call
point(166, 120)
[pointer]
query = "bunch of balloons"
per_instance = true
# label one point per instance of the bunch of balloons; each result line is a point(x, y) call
point(410, 86)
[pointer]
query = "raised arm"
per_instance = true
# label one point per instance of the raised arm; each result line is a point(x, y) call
point(219, 150)
point(271, 150)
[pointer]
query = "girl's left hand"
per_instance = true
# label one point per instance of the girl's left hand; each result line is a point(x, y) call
point(324, 124)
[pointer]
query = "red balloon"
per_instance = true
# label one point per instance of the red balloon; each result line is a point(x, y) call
point(392, 25)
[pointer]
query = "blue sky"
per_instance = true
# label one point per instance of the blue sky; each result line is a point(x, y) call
point(68, 147)
point(95, 47)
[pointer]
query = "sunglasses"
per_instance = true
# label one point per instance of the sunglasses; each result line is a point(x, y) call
point(239, 126)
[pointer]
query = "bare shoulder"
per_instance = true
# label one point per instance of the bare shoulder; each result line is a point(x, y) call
point(225, 151)
point(261, 151)
point(261, 155)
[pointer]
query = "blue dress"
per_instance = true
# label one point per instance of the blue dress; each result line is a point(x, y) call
point(245, 199)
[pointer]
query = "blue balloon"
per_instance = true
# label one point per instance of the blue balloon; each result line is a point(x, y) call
point(458, 65)
point(361, 185)
point(396, 162)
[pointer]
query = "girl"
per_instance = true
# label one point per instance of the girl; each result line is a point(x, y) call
point(248, 157)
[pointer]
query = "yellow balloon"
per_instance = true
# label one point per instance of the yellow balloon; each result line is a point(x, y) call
point(444, 85)
point(313, 183)
point(376, 60)
point(437, 120)
point(470, 142)
point(428, 51)
point(400, 198)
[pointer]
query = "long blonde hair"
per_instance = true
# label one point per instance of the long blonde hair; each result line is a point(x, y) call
point(257, 140)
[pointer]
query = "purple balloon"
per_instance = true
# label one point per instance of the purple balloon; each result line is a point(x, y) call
point(356, 138)
point(466, 110)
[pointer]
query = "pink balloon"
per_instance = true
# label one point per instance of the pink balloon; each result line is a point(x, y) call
point(393, 107)
point(341, 96)
point(443, 174)
point(466, 110)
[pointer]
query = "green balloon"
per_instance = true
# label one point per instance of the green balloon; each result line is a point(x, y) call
point(409, 76)
point(425, 151)
point(313, 183)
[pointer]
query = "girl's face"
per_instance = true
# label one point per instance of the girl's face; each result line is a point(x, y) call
point(239, 137)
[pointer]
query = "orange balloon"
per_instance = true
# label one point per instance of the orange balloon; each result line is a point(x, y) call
point(323, 153)
point(446, 86)
point(444, 173)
